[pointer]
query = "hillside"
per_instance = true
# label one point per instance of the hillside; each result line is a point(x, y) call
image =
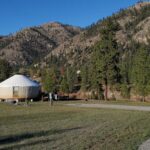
point(71, 44)
point(32, 44)
point(134, 26)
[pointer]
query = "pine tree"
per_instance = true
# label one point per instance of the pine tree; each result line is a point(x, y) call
point(141, 71)
point(5, 70)
point(64, 85)
point(71, 78)
point(94, 79)
point(106, 56)
point(49, 80)
point(84, 78)
point(125, 72)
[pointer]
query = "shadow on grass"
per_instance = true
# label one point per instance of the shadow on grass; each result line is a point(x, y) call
point(18, 138)
point(18, 146)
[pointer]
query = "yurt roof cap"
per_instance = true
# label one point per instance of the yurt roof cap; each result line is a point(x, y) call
point(18, 80)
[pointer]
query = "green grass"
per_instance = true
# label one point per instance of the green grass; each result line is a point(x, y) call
point(60, 127)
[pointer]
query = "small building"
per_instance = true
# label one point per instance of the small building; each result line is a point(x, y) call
point(19, 87)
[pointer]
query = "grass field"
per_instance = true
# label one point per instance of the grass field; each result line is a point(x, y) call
point(60, 127)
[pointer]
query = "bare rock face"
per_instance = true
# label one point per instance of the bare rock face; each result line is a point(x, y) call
point(135, 25)
point(143, 33)
point(140, 5)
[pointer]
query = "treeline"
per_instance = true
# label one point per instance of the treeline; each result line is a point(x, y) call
point(125, 70)
point(62, 79)
point(112, 66)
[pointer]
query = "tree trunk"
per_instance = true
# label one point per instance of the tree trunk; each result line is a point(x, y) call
point(106, 90)
point(113, 95)
point(143, 98)
point(68, 95)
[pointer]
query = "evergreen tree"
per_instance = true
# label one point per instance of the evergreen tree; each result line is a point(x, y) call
point(5, 70)
point(125, 72)
point(84, 78)
point(64, 85)
point(71, 78)
point(106, 56)
point(141, 71)
point(49, 80)
point(94, 80)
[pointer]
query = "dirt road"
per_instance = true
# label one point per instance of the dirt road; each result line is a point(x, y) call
point(112, 106)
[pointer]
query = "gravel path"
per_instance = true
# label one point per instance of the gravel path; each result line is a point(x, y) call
point(145, 145)
point(112, 106)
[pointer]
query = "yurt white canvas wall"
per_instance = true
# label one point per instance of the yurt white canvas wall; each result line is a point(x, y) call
point(19, 87)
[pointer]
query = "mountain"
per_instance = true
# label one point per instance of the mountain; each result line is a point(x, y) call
point(134, 26)
point(73, 45)
point(32, 44)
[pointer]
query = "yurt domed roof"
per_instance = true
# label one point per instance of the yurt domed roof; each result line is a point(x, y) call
point(18, 80)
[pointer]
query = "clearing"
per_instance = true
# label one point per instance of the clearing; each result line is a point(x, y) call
point(40, 126)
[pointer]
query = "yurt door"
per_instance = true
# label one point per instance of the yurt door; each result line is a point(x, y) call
point(15, 91)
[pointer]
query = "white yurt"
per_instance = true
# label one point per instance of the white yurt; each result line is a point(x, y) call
point(19, 87)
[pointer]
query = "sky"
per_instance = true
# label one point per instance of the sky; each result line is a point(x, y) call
point(18, 14)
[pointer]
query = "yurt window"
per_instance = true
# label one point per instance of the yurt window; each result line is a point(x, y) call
point(15, 91)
